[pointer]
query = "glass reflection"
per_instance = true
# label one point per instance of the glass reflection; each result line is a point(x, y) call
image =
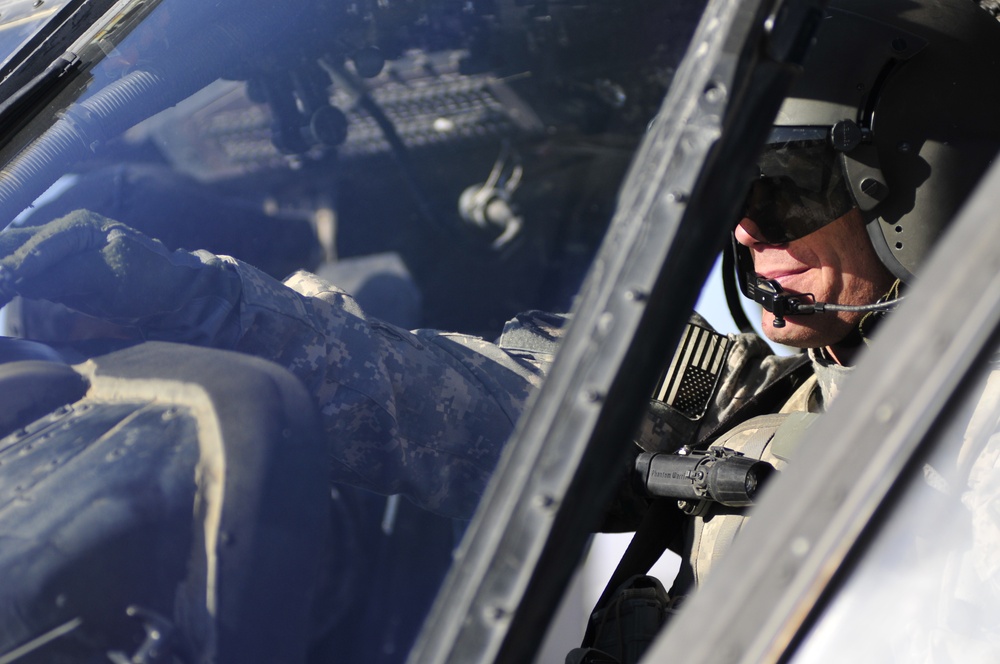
point(927, 588)
point(322, 186)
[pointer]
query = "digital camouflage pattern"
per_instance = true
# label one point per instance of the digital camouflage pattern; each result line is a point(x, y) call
point(421, 413)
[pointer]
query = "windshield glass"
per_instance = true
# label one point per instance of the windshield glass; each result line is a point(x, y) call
point(306, 183)
point(20, 20)
point(925, 589)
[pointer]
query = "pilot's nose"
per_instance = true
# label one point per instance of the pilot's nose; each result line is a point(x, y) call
point(748, 233)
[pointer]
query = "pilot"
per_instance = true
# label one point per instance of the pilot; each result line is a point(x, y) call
point(877, 145)
point(883, 136)
point(871, 155)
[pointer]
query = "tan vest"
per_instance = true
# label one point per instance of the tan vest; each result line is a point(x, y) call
point(772, 438)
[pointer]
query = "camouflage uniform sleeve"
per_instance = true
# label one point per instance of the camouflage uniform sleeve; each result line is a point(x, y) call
point(423, 413)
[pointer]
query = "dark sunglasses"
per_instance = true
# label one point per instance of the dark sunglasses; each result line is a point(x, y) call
point(800, 187)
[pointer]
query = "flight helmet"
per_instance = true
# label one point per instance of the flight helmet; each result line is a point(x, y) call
point(897, 112)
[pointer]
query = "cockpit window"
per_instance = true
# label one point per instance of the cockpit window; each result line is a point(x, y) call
point(926, 587)
point(20, 20)
point(374, 172)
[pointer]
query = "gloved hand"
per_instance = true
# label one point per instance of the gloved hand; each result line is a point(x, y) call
point(106, 269)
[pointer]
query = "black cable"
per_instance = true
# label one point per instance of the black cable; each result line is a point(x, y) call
point(820, 307)
point(732, 291)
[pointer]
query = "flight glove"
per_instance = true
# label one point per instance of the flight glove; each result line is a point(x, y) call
point(106, 269)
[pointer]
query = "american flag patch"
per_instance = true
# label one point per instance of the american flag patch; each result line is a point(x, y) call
point(689, 382)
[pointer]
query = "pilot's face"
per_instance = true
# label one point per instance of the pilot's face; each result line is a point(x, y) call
point(836, 264)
